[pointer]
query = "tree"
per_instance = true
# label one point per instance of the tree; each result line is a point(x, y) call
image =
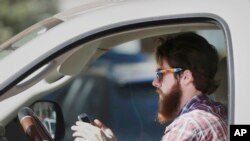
point(16, 15)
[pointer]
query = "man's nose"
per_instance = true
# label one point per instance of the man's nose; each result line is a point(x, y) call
point(156, 83)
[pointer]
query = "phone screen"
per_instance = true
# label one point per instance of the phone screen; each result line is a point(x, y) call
point(84, 117)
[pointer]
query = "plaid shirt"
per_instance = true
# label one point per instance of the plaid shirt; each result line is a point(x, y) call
point(201, 119)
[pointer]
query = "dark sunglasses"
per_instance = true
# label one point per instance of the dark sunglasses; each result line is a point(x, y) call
point(160, 72)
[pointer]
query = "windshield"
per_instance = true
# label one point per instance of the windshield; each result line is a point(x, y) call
point(27, 35)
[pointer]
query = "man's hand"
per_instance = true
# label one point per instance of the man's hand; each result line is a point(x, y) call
point(87, 132)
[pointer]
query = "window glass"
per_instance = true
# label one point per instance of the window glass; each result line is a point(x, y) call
point(27, 35)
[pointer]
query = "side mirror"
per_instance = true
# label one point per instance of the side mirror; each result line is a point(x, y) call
point(51, 116)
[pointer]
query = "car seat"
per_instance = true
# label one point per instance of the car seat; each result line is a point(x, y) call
point(221, 94)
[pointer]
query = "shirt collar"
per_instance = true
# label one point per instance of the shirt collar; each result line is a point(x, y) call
point(189, 106)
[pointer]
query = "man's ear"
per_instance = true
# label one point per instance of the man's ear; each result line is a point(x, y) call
point(187, 77)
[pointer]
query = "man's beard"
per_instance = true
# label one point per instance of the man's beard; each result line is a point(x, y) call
point(169, 104)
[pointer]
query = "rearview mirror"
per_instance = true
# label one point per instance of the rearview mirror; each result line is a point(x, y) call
point(51, 116)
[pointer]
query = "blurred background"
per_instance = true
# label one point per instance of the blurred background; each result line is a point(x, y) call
point(17, 15)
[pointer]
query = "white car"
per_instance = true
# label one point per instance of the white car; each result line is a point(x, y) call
point(47, 56)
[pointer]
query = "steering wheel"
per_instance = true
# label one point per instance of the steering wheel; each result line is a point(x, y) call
point(32, 126)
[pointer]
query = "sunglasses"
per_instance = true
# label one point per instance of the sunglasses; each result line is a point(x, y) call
point(160, 72)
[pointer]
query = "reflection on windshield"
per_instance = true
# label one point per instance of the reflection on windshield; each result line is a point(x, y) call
point(27, 35)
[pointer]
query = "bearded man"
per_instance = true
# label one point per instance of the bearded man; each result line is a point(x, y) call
point(187, 65)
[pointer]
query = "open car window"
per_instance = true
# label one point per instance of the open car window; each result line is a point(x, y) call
point(110, 78)
point(117, 87)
